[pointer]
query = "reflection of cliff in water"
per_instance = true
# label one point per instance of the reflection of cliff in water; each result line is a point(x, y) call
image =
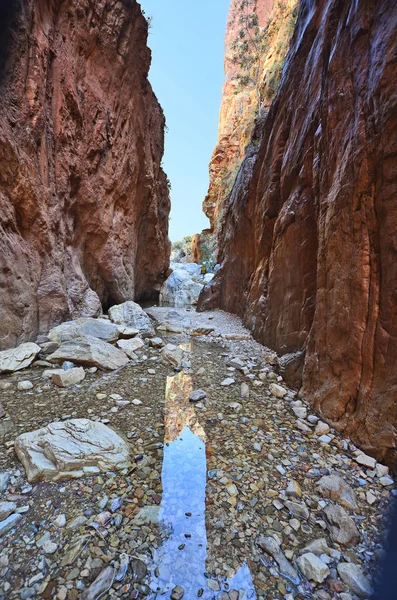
point(179, 412)
point(181, 559)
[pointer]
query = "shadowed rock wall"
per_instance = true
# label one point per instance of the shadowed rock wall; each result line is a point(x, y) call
point(308, 244)
point(84, 202)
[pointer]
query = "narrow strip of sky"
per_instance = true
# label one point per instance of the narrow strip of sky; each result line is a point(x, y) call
point(187, 42)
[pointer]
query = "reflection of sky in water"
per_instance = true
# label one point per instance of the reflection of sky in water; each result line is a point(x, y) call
point(184, 479)
point(181, 560)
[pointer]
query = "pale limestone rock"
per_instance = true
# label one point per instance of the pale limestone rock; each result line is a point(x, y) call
point(386, 481)
point(180, 289)
point(381, 470)
point(100, 585)
point(244, 391)
point(18, 358)
point(24, 386)
point(156, 342)
point(228, 381)
point(317, 547)
point(131, 346)
point(336, 489)
point(70, 449)
point(6, 508)
point(9, 523)
point(272, 547)
point(97, 328)
point(130, 314)
point(294, 489)
point(342, 528)
point(300, 412)
point(48, 373)
point(313, 568)
point(353, 576)
point(277, 390)
point(68, 378)
point(147, 515)
point(87, 350)
point(172, 354)
point(298, 510)
point(322, 428)
point(365, 460)
point(127, 332)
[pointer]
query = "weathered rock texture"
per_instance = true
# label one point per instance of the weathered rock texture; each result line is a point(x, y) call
point(308, 246)
point(83, 200)
point(240, 102)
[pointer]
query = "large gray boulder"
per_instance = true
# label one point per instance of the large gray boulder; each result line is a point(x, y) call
point(193, 269)
point(18, 358)
point(130, 314)
point(87, 350)
point(71, 449)
point(98, 328)
point(180, 289)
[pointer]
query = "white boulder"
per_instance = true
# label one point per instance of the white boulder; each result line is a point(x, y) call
point(87, 350)
point(99, 328)
point(70, 449)
point(18, 358)
point(180, 289)
point(130, 314)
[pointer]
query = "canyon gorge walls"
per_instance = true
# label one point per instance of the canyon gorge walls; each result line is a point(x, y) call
point(308, 243)
point(240, 103)
point(84, 202)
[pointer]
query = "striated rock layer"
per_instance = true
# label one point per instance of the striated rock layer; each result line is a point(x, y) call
point(84, 202)
point(308, 246)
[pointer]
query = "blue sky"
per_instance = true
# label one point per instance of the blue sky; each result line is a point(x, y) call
point(186, 39)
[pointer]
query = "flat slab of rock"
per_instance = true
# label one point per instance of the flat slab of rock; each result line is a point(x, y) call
point(342, 528)
point(131, 346)
point(130, 314)
point(335, 488)
point(9, 523)
point(104, 330)
point(71, 449)
point(90, 351)
point(19, 358)
point(272, 547)
point(353, 576)
point(68, 378)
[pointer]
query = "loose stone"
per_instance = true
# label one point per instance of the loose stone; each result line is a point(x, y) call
point(313, 568)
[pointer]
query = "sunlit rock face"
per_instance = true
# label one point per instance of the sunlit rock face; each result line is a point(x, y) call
point(83, 200)
point(239, 102)
point(308, 247)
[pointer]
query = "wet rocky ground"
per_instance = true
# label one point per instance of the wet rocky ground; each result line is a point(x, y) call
point(243, 493)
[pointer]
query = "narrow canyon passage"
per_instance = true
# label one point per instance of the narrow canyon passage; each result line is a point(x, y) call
point(215, 417)
point(234, 488)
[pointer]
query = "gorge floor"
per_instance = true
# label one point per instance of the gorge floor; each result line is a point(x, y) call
point(210, 484)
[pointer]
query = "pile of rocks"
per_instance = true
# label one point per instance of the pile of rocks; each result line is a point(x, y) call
point(184, 285)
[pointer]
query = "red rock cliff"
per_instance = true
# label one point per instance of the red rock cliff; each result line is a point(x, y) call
point(239, 101)
point(308, 245)
point(83, 200)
